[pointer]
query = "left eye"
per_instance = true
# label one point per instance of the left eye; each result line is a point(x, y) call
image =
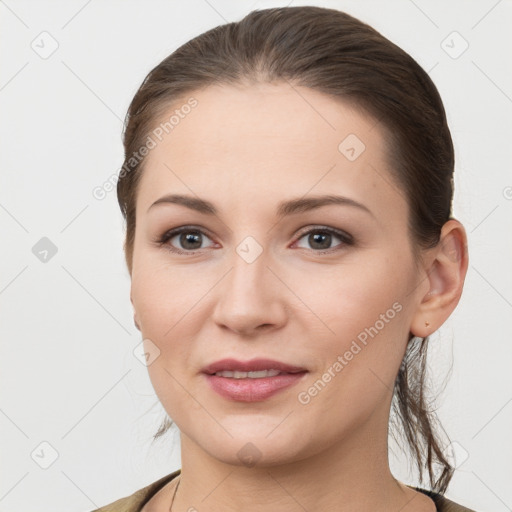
point(321, 238)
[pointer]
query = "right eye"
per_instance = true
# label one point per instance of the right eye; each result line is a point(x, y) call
point(188, 237)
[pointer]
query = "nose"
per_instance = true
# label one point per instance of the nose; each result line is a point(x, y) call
point(250, 298)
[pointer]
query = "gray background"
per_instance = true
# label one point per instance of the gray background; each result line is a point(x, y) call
point(71, 387)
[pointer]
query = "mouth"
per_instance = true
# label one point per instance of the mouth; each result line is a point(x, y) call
point(250, 375)
point(254, 366)
point(251, 381)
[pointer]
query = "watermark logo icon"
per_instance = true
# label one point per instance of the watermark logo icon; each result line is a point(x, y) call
point(351, 147)
point(146, 352)
point(44, 455)
point(454, 45)
point(456, 454)
point(249, 249)
point(249, 455)
point(45, 45)
point(44, 250)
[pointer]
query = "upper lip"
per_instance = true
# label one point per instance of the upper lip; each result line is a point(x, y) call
point(250, 366)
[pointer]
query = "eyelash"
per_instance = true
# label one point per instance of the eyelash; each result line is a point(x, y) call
point(346, 239)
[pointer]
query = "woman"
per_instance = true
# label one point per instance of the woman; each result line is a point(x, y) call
point(287, 192)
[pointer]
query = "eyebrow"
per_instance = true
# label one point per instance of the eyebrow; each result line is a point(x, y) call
point(285, 208)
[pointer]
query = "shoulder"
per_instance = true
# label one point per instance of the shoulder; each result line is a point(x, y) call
point(443, 504)
point(135, 501)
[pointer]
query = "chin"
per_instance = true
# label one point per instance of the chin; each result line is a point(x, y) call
point(256, 446)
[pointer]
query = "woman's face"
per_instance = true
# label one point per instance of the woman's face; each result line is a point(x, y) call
point(327, 287)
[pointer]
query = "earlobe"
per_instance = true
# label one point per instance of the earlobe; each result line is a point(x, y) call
point(445, 275)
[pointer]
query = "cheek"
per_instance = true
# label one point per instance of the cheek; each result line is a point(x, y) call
point(364, 320)
point(162, 294)
point(168, 302)
point(167, 316)
point(173, 389)
point(353, 296)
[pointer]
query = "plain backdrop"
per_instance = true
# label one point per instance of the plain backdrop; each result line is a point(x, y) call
point(77, 409)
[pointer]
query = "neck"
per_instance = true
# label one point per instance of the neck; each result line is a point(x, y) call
point(351, 475)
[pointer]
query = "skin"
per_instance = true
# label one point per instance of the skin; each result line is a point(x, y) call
point(245, 149)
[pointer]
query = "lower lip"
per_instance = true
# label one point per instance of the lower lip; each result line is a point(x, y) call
point(252, 390)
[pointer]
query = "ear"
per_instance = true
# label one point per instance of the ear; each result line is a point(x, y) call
point(446, 271)
point(134, 312)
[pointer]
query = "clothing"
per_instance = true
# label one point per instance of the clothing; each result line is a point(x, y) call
point(137, 500)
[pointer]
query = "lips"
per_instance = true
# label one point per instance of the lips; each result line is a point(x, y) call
point(253, 365)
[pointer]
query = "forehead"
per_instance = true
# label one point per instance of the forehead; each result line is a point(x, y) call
point(271, 139)
point(268, 116)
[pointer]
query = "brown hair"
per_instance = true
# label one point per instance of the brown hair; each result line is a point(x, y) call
point(334, 53)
